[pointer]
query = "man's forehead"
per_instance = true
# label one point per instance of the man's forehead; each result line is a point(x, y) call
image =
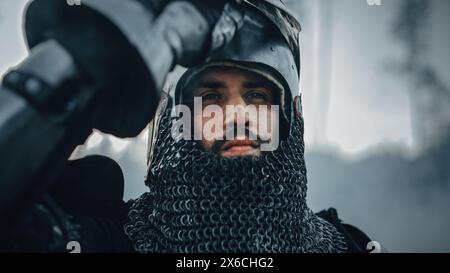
point(220, 77)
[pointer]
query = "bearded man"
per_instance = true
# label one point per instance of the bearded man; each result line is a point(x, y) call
point(219, 194)
point(226, 180)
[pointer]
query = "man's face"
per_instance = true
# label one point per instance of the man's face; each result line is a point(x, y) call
point(231, 90)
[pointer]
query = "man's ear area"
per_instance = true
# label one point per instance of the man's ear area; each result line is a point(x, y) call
point(298, 106)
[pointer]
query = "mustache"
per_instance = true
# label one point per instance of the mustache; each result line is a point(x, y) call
point(249, 134)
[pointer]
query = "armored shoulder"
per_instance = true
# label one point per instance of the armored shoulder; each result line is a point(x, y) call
point(356, 239)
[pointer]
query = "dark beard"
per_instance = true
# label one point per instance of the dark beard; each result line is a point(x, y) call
point(200, 201)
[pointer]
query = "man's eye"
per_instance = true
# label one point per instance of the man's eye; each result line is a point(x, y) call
point(256, 95)
point(211, 97)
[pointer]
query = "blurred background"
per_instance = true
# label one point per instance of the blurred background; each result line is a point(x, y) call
point(376, 98)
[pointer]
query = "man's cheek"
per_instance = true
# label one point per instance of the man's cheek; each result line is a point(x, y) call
point(212, 129)
point(268, 129)
point(253, 124)
point(198, 132)
point(264, 125)
point(198, 126)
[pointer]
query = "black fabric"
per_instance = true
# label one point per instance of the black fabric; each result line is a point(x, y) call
point(93, 185)
point(85, 205)
point(91, 190)
point(47, 228)
point(105, 234)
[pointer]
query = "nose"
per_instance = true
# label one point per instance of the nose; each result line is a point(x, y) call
point(236, 114)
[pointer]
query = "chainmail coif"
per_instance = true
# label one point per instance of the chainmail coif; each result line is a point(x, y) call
point(202, 202)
